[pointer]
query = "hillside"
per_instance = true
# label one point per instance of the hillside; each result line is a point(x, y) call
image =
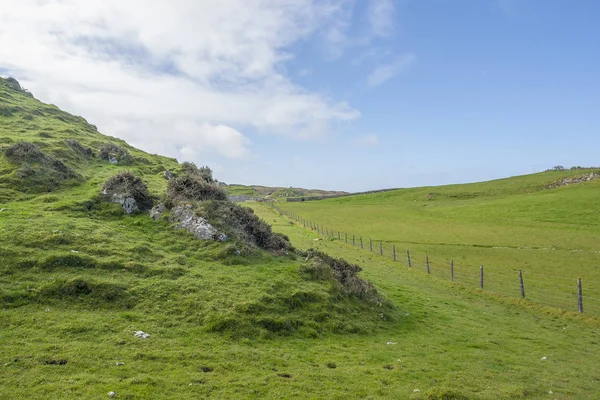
point(544, 224)
point(79, 275)
point(242, 313)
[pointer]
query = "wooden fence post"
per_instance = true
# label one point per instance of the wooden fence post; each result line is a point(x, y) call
point(353, 243)
point(427, 263)
point(481, 277)
point(361, 243)
point(394, 250)
point(521, 284)
point(346, 237)
point(339, 238)
point(451, 270)
point(408, 257)
point(380, 248)
point(371, 244)
point(579, 296)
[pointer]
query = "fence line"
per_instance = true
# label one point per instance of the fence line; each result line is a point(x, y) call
point(538, 291)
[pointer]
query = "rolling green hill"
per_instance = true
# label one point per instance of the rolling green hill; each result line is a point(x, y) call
point(231, 319)
point(545, 224)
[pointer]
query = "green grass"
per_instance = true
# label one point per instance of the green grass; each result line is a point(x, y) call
point(78, 277)
point(506, 225)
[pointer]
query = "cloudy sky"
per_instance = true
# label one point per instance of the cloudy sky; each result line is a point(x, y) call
point(336, 94)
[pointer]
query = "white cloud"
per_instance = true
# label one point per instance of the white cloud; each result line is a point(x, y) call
point(381, 17)
point(386, 72)
point(366, 141)
point(179, 77)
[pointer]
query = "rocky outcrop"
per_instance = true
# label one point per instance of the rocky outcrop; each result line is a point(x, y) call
point(157, 212)
point(574, 179)
point(186, 218)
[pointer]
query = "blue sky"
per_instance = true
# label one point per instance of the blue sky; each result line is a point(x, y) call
point(334, 94)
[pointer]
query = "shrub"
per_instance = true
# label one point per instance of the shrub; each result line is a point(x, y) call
point(41, 171)
point(110, 149)
point(204, 172)
point(193, 188)
point(79, 148)
point(128, 185)
point(242, 223)
point(344, 273)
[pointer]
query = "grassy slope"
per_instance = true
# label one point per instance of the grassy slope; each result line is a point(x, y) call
point(468, 342)
point(78, 277)
point(508, 224)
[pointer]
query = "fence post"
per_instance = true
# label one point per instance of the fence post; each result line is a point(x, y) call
point(521, 284)
point(451, 270)
point(408, 257)
point(339, 238)
point(346, 237)
point(394, 250)
point(353, 242)
point(427, 263)
point(361, 243)
point(371, 244)
point(380, 248)
point(481, 277)
point(579, 296)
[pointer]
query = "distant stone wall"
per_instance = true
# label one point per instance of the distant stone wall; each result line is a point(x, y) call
point(241, 199)
point(313, 198)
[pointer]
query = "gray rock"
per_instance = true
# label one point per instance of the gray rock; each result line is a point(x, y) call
point(112, 160)
point(157, 212)
point(187, 219)
point(169, 175)
point(222, 237)
point(129, 204)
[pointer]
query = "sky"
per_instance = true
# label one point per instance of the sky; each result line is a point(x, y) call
point(348, 95)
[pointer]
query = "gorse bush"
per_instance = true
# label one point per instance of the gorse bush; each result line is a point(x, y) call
point(241, 223)
point(127, 184)
point(39, 170)
point(109, 150)
point(324, 267)
point(204, 172)
point(192, 188)
point(79, 148)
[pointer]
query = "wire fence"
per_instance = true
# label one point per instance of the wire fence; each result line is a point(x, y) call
point(558, 292)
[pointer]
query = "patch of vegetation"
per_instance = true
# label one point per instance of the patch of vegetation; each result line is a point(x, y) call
point(241, 223)
point(192, 188)
point(39, 171)
point(79, 148)
point(126, 184)
point(110, 150)
point(324, 266)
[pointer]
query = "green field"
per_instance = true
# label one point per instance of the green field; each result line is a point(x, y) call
point(506, 225)
point(229, 320)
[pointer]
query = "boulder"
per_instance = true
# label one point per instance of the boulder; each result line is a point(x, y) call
point(168, 175)
point(187, 219)
point(157, 211)
point(129, 204)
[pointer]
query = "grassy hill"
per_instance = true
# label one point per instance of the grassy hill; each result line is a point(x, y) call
point(546, 224)
point(230, 320)
point(79, 277)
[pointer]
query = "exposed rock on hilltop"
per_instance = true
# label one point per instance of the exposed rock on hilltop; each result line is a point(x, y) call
point(574, 179)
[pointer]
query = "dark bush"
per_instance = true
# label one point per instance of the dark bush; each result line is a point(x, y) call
point(193, 188)
point(343, 272)
point(41, 171)
point(240, 222)
point(79, 148)
point(129, 185)
point(204, 172)
point(112, 150)
point(25, 152)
